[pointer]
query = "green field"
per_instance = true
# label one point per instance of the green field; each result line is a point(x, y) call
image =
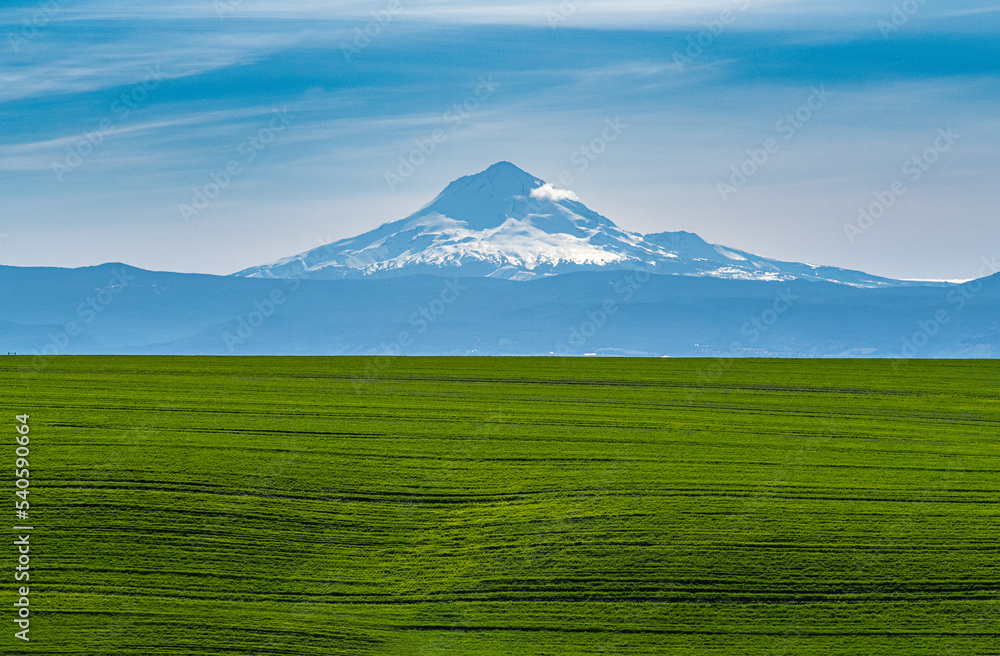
point(507, 506)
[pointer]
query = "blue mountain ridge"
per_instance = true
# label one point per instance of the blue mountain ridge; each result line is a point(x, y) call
point(117, 309)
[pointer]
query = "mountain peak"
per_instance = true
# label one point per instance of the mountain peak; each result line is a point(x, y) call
point(503, 178)
point(486, 199)
point(492, 224)
point(504, 166)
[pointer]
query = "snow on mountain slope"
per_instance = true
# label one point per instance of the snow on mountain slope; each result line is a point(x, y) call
point(506, 223)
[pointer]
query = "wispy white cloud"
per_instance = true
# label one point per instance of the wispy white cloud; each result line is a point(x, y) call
point(591, 13)
point(39, 155)
point(975, 11)
point(827, 15)
point(75, 64)
point(548, 192)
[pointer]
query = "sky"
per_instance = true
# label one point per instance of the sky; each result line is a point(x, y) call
point(864, 135)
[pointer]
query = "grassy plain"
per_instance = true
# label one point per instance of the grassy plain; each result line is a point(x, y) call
point(508, 506)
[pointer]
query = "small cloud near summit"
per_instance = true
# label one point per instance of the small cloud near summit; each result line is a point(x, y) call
point(548, 192)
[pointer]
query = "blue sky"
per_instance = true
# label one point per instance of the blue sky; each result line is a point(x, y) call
point(114, 113)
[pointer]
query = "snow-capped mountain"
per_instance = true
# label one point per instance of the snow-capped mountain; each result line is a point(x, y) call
point(506, 223)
